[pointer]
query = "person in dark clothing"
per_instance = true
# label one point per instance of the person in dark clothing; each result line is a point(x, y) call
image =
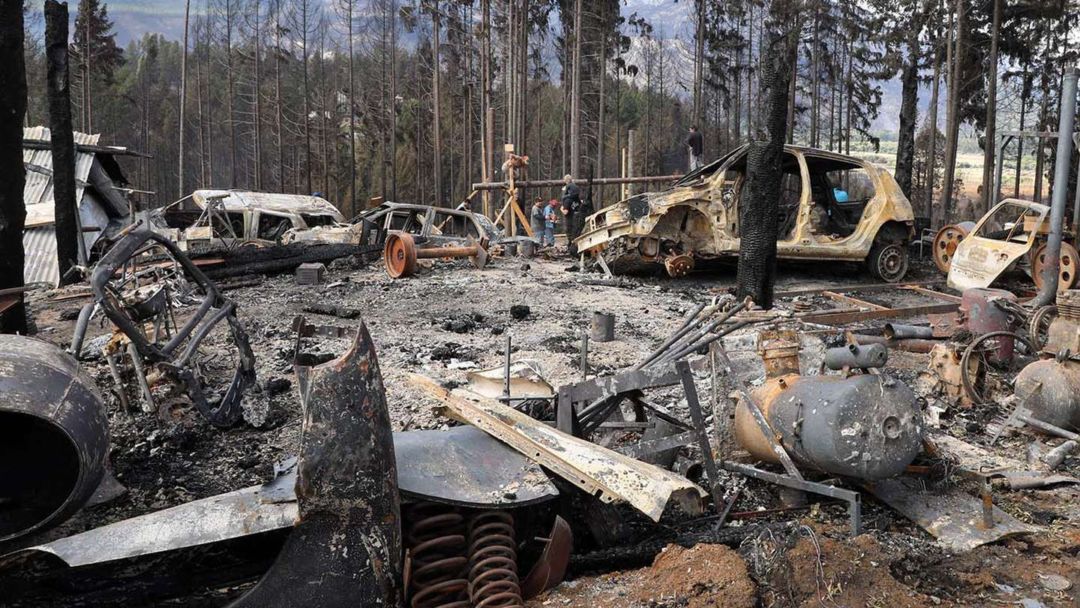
point(696, 144)
point(571, 206)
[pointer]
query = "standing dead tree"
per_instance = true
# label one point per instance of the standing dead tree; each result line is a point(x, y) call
point(63, 140)
point(12, 173)
point(759, 208)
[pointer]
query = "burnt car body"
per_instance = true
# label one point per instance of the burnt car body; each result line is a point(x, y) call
point(1011, 237)
point(434, 225)
point(833, 207)
point(224, 219)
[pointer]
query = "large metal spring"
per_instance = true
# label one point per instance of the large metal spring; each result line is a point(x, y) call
point(493, 577)
point(436, 541)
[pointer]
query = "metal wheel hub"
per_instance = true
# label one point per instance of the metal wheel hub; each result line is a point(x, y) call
point(891, 262)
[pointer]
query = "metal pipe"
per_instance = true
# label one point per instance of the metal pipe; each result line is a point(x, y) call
point(1061, 191)
point(80, 329)
point(690, 322)
point(1076, 200)
point(680, 343)
point(708, 340)
point(1004, 140)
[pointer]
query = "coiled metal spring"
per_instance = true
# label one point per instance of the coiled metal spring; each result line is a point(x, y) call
point(436, 540)
point(493, 577)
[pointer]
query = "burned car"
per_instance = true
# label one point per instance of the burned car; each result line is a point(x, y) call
point(833, 207)
point(434, 225)
point(1011, 237)
point(224, 219)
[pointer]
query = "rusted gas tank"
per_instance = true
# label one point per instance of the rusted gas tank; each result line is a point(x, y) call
point(982, 316)
point(1051, 388)
point(54, 436)
point(864, 426)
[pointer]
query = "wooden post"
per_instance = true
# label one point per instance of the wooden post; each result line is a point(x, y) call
point(631, 165)
point(68, 235)
point(622, 173)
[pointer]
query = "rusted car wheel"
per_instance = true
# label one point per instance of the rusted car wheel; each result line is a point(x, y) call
point(945, 243)
point(888, 262)
point(399, 255)
point(1070, 259)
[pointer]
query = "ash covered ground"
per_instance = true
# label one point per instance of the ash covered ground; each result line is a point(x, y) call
point(452, 317)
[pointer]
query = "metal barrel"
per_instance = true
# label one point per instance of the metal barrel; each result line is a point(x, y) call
point(603, 327)
point(864, 356)
point(54, 436)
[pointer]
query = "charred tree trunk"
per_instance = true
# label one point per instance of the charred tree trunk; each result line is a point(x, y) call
point(758, 211)
point(63, 140)
point(575, 95)
point(909, 107)
point(12, 114)
point(989, 197)
point(931, 156)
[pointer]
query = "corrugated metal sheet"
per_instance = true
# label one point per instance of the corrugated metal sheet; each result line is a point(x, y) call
point(38, 193)
point(41, 265)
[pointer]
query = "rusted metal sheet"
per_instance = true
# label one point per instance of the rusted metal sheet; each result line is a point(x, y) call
point(54, 436)
point(608, 475)
point(346, 548)
point(955, 518)
point(550, 569)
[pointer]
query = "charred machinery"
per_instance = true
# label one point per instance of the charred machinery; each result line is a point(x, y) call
point(54, 436)
point(1050, 387)
point(864, 426)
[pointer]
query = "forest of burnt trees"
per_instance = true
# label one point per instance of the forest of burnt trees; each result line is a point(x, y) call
point(412, 100)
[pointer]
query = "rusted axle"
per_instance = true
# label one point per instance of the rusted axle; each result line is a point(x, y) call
point(400, 254)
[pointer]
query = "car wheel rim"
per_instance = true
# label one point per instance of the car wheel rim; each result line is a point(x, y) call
point(891, 263)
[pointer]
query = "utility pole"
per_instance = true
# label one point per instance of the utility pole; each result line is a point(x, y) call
point(183, 98)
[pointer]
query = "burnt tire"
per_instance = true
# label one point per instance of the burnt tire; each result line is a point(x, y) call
point(888, 261)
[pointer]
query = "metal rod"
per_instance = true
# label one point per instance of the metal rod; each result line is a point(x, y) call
point(759, 418)
point(1061, 192)
point(708, 340)
point(690, 321)
point(506, 380)
point(447, 252)
point(584, 355)
point(698, 418)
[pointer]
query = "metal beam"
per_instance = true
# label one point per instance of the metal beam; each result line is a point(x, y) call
point(601, 181)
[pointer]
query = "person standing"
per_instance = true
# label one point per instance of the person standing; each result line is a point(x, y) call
point(551, 218)
point(571, 204)
point(537, 220)
point(696, 146)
